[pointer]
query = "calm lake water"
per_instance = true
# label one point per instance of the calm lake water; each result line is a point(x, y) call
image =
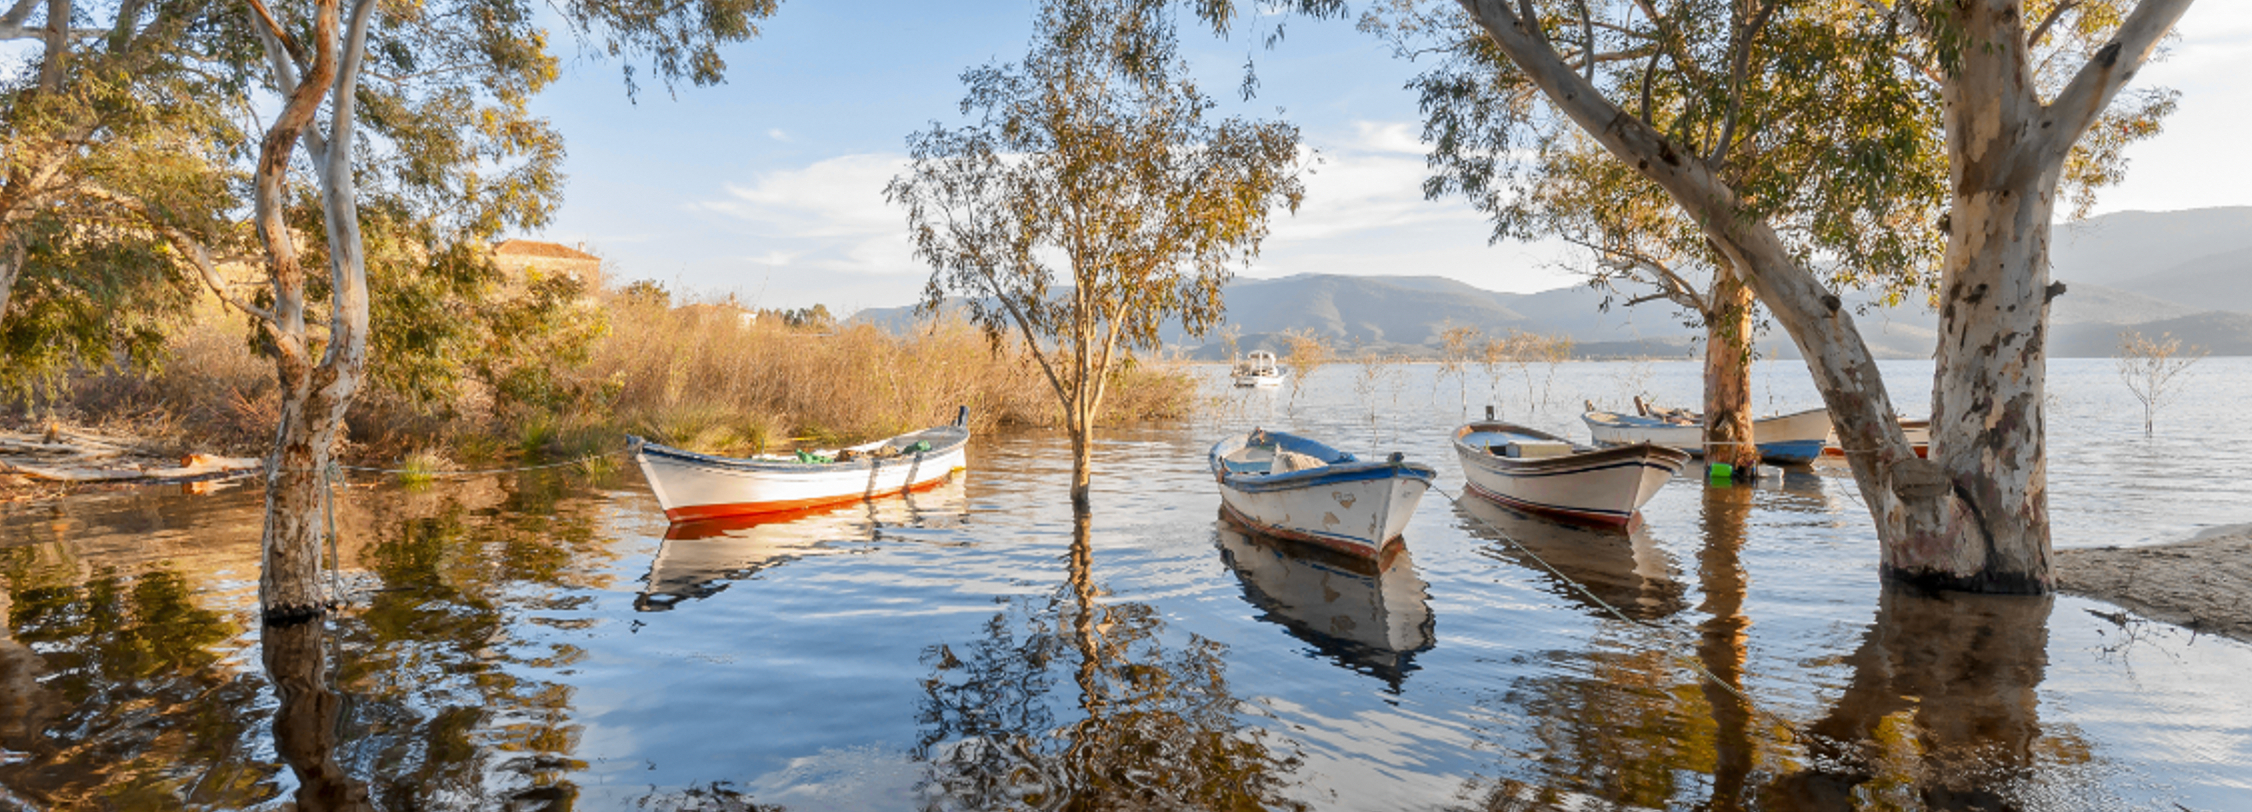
point(536, 642)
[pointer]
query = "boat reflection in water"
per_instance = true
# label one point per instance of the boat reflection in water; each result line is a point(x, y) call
point(1622, 567)
point(698, 559)
point(1369, 615)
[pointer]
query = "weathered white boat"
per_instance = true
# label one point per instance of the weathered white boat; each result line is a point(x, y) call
point(1795, 437)
point(1259, 369)
point(1371, 615)
point(1289, 486)
point(692, 486)
point(1537, 471)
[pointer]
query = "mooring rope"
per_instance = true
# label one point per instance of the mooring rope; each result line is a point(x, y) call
point(1672, 645)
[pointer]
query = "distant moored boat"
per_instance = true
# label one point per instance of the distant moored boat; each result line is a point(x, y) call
point(1258, 369)
point(1795, 437)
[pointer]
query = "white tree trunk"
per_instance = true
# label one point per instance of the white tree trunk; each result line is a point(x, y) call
point(315, 398)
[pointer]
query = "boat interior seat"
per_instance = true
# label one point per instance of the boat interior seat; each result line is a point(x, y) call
point(1250, 459)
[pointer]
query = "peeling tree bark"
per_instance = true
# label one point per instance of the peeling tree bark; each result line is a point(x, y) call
point(1728, 373)
point(1975, 516)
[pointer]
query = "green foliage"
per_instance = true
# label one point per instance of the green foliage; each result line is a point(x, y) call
point(647, 293)
point(1806, 110)
point(1090, 200)
point(110, 142)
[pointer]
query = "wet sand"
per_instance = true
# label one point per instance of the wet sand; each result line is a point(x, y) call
point(2203, 584)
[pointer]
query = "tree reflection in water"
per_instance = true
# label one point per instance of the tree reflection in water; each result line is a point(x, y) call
point(1940, 712)
point(448, 709)
point(306, 722)
point(1156, 728)
point(126, 702)
point(118, 690)
point(1720, 644)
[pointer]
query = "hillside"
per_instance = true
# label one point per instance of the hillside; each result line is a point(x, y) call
point(2188, 273)
point(2220, 281)
point(2117, 249)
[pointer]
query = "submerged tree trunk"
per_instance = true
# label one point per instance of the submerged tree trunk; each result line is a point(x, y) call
point(1082, 466)
point(1728, 373)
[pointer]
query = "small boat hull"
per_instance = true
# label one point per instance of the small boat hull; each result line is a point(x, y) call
point(1596, 486)
point(695, 487)
point(1346, 505)
point(1789, 438)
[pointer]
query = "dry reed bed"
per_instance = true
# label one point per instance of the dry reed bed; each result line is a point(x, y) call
point(698, 376)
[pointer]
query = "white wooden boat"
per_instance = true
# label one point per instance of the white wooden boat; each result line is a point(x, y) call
point(1370, 615)
point(692, 486)
point(1537, 471)
point(1289, 486)
point(1795, 437)
point(1622, 567)
point(1259, 369)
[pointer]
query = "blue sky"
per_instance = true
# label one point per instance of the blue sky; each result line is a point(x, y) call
point(770, 186)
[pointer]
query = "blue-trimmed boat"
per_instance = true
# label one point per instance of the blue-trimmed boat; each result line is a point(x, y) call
point(1797, 437)
point(1533, 470)
point(1292, 487)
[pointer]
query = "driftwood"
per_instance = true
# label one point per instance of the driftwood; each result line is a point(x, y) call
point(59, 455)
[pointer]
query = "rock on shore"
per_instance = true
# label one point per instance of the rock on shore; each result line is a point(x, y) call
point(2203, 584)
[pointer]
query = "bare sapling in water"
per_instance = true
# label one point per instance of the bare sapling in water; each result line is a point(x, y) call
point(1456, 349)
point(1308, 352)
point(2152, 369)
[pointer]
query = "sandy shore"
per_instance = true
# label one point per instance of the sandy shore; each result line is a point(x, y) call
point(2203, 584)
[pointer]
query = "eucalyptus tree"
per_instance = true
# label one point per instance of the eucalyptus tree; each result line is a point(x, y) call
point(1825, 137)
point(114, 129)
point(2013, 88)
point(1090, 200)
point(449, 156)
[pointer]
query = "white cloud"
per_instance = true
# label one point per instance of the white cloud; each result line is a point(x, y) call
point(829, 215)
point(777, 134)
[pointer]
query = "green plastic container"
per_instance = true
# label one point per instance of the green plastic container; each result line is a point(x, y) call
point(1720, 472)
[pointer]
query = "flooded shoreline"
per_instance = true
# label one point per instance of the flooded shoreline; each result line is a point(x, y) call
point(547, 639)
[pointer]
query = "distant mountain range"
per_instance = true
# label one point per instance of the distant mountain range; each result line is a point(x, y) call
point(2187, 273)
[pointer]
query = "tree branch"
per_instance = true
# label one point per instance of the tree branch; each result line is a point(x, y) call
point(2092, 89)
point(2041, 30)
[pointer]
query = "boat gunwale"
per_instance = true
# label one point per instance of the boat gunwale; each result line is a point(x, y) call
point(1341, 466)
point(1581, 459)
point(960, 438)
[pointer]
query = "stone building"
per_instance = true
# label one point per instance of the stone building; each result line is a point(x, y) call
point(516, 257)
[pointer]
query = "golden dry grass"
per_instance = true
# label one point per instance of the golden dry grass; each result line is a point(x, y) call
point(696, 376)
